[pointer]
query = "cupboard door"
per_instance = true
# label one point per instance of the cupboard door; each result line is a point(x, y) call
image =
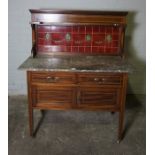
point(98, 97)
point(53, 96)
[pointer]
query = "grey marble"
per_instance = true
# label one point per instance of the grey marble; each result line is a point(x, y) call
point(77, 64)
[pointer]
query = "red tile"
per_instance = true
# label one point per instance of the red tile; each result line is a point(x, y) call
point(87, 43)
point(107, 50)
point(81, 29)
point(67, 43)
point(89, 29)
point(58, 38)
point(44, 28)
point(115, 44)
point(96, 29)
point(60, 29)
point(98, 40)
point(87, 49)
point(102, 29)
point(75, 29)
point(67, 29)
point(57, 35)
point(47, 42)
point(116, 29)
point(101, 49)
point(78, 39)
point(44, 42)
point(41, 35)
point(75, 49)
point(68, 48)
point(54, 29)
point(109, 29)
point(94, 49)
point(81, 49)
point(65, 48)
point(115, 37)
point(41, 41)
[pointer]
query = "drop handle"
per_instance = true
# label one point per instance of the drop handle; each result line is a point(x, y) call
point(103, 79)
point(52, 79)
point(96, 79)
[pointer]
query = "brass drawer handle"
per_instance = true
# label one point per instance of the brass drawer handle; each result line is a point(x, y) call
point(103, 79)
point(100, 80)
point(96, 79)
point(52, 79)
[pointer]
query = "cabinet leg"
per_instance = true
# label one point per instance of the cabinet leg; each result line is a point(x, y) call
point(120, 128)
point(42, 112)
point(31, 121)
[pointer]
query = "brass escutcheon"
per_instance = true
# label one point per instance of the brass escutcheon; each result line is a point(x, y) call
point(108, 38)
point(88, 37)
point(68, 37)
point(47, 36)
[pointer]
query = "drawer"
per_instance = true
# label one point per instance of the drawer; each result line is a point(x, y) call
point(43, 95)
point(52, 77)
point(100, 97)
point(100, 79)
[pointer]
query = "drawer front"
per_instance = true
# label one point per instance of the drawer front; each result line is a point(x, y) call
point(100, 79)
point(52, 77)
point(98, 97)
point(52, 96)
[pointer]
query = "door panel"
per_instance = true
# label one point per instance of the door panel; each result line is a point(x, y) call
point(98, 97)
point(53, 96)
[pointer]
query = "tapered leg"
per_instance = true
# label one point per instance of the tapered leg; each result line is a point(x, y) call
point(122, 108)
point(31, 121)
point(120, 128)
point(30, 109)
point(42, 112)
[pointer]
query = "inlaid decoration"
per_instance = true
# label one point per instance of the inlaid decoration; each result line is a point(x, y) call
point(47, 36)
point(88, 37)
point(68, 37)
point(108, 38)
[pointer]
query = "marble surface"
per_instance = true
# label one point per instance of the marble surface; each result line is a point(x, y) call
point(77, 64)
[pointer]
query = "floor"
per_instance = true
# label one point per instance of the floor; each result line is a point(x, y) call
point(77, 132)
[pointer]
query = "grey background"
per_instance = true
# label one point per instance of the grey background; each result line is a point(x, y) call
point(20, 36)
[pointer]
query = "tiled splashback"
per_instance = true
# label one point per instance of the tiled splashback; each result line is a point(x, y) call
point(79, 39)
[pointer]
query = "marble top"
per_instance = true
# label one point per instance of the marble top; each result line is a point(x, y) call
point(77, 64)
